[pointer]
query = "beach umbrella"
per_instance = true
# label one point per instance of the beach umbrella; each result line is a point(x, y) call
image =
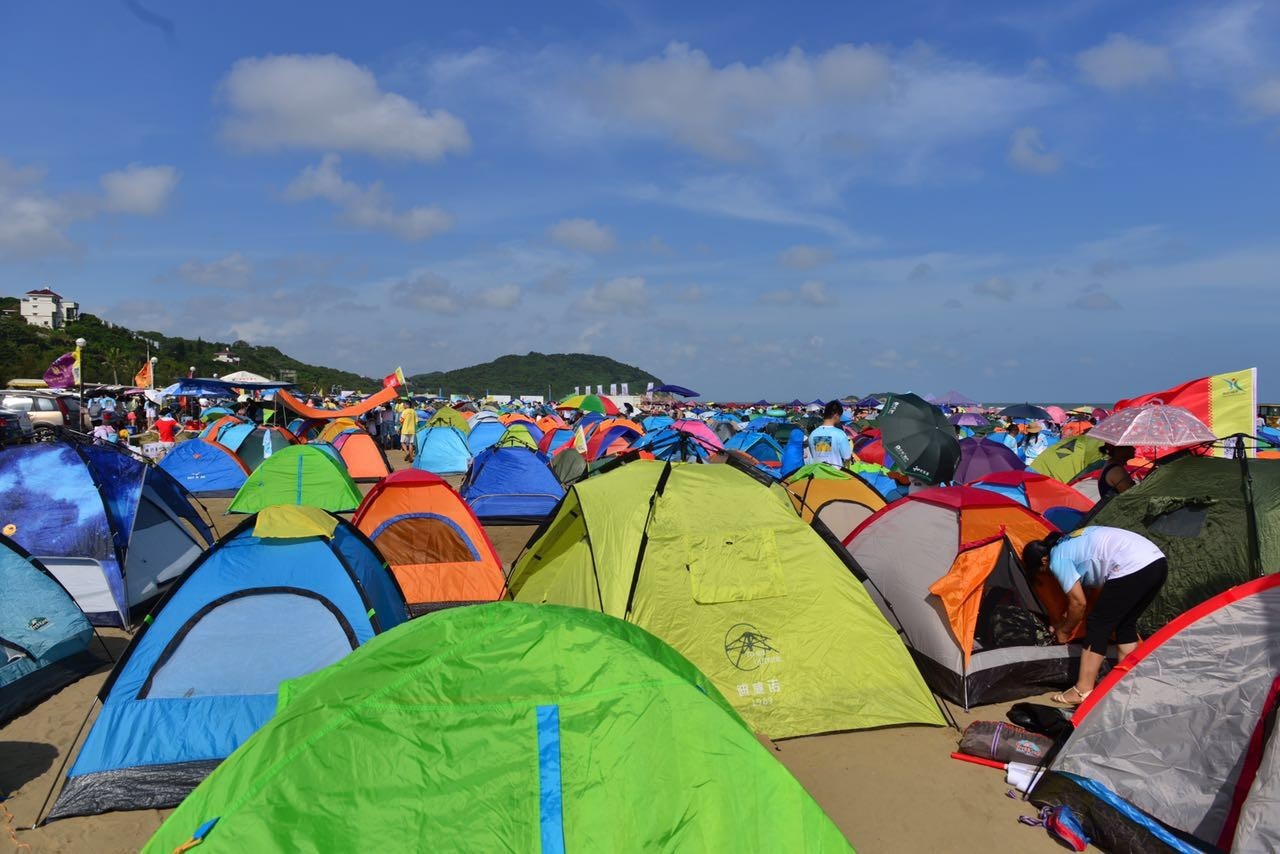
point(968, 419)
point(589, 403)
point(1155, 425)
point(1057, 414)
point(676, 389)
point(918, 438)
point(1026, 410)
point(980, 458)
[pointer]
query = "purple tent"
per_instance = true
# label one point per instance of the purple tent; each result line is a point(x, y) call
point(929, 398)
point(979, 458)
point(955, 398)
point(816, 402)
point(761, 403)
point(867, 403)
point(676, 389)
point(968, 419)
point(796, 402)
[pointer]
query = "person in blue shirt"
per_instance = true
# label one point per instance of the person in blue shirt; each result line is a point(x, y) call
point(1129, 569)
point(829, 443)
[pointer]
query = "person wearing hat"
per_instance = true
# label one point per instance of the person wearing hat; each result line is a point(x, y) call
point(1035, 444)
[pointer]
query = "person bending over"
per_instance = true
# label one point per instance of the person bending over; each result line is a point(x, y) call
point(1128, 567)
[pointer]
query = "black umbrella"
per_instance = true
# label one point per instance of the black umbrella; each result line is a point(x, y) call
point(919, 438)
point(1026, 410)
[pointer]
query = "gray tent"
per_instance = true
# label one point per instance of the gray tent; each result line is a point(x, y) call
point(1179, 748)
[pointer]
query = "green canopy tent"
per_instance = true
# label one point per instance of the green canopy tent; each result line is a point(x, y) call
point(503, 727)
point(1217, 520)
point(720, 566)
point(299, 474)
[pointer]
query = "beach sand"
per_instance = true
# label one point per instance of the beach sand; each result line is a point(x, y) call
point(889, 790)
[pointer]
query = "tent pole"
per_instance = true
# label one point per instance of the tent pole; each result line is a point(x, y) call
point(1251, 512)
point(66, 757)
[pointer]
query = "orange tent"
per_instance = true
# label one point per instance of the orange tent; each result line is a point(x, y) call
point(364, 457)
point(439, 552)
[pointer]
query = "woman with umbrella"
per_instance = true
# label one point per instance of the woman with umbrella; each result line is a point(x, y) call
point(1129, 569)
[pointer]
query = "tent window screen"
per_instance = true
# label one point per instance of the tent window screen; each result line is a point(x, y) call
point(734, 566)
point(1186, 520)
point(424, 538)
point(220, 650)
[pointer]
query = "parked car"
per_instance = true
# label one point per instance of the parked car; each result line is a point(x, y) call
point(15, 428)
point(47, 410)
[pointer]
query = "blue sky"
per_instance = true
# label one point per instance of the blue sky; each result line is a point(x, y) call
point(1074, 201)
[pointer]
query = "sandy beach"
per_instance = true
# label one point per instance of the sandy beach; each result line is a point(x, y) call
point(889, 790)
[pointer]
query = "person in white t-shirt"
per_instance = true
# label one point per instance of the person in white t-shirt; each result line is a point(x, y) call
point(829, 443)
point(1128, 567)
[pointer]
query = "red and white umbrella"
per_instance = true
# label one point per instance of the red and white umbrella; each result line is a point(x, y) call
point(1155, 425)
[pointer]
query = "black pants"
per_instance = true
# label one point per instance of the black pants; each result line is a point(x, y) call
point(1121, 603)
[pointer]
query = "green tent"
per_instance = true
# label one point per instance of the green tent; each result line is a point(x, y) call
point(1217, 520)
point(447, 416)
point(503, 727)
point(299, 474)
point(518, 435)
point(719, 565)
point(1068, 459)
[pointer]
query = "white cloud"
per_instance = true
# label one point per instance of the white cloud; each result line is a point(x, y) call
point(1027, 153)
point(585, 235)
point(501, 297)
point(1265, 97)
point(328, 102)
point(1121, 62)
point(997, 287)
point(428, 292)
point(1093, 299)
point(621, 295)
point(142, 190)
point(804, 257)
point(31, 221)
point(813, 292)
point(232, 271)
point(365, 207)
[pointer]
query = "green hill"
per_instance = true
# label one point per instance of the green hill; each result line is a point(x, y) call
point(534, 373)
point(114, 354)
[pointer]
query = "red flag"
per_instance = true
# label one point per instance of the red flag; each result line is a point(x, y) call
point(142, 379)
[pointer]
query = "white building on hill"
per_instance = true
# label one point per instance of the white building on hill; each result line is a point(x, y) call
point(48, 309)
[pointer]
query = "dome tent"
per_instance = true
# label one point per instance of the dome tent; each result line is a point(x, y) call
point(205, 467)
point(937, 562)
point(720, 566)
point(511, 485)
point(311, 474)
point(434, 544)
point(290, 590)
point(442, 450)
point(43, 635)
point(486, 700)
point(1178, 748)
point(112, 529)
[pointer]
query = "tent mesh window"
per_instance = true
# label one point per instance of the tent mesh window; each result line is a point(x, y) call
point(1008, 598)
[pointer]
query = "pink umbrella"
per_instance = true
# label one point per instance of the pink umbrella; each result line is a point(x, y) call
point(1155, 425)
point(1058, 413)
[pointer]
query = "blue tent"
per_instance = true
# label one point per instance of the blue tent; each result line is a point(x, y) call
point(484, 435)
point(511, 485)
point(793, 453)
point(112, 529)
point(763, 422)
point(442, 450)
point(761, 447)
point(656, 422)
point(205, 467)
point(44, 636)
point(289, 591)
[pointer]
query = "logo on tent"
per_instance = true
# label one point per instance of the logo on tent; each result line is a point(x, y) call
point(38, 623)
point(747, 648)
